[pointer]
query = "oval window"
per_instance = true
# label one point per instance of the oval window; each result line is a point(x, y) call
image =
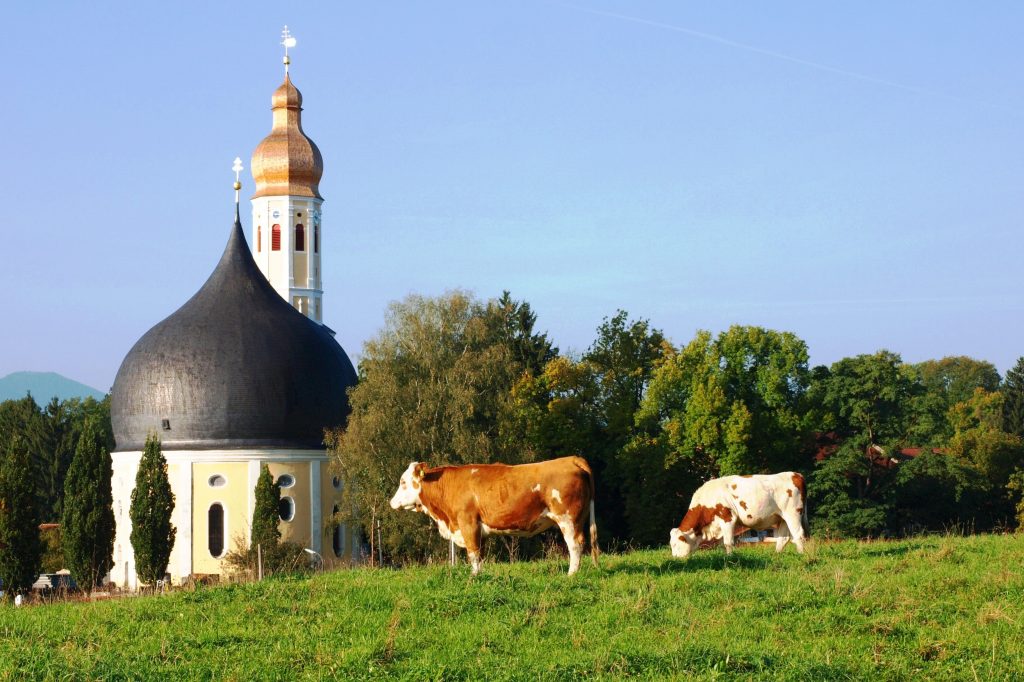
point(218, 481)
point(286, 509)
point(336, 482)
point(285, 481)
point(215, 530)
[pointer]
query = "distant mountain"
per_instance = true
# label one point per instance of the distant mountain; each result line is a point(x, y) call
point(43, 386)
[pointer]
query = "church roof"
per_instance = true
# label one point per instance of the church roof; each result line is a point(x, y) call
point(236, 366)
point(287, 162)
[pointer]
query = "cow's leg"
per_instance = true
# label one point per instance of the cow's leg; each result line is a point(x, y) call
point(576, 550)
point(470, 527)
point(796, 529)
point(781, 536)
point(728, 537)
point(572, 532)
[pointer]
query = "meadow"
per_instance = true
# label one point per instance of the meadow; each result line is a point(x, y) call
point(937, 607)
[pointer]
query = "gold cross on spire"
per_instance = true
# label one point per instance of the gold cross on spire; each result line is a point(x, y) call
point(238, 183)
point(288, 40)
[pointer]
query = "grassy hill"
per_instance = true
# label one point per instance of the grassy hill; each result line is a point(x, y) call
point(929, 608)
point(43, 386)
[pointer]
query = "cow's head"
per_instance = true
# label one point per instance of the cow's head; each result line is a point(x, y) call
point(409, 486)
point(682, 543)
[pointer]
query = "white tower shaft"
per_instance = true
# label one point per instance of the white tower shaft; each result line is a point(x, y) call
point(287, 242)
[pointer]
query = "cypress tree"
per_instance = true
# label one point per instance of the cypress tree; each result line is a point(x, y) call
point(22, 419)
point(20, 546)
point(87, 522)
point(1013, 403)
point(152, 503)
point(265, 514)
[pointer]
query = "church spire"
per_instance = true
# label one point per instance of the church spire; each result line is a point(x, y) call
point(287, 167)
point(287, 162)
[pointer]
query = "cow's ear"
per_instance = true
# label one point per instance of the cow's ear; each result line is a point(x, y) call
point(417, 471)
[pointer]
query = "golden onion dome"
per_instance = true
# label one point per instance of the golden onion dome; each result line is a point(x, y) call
point(287, 162)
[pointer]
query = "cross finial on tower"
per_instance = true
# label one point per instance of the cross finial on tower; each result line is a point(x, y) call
point(288, 40)
point(237, 167)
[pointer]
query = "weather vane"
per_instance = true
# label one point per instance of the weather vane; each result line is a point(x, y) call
point(238, 183)
point(288, 40)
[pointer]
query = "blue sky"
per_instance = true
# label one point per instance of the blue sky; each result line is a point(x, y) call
point(853, 174)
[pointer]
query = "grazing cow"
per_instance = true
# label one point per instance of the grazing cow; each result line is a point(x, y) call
point(472, 501)
point(724, 507)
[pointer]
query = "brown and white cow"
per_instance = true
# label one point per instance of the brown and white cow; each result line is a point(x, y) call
point(725, 507)
point(472, 501)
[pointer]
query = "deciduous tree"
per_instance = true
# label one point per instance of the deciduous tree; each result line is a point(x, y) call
point(721, 405)
point(848, 495)
point(978, 437)
point(940, 384)
point(868, 395)
point(434, 386)
point(733, 404)
point(934, 491)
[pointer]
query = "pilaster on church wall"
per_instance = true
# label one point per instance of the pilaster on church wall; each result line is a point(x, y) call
point(125, 466)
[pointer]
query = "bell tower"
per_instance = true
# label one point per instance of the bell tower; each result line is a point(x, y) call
point(286, 232)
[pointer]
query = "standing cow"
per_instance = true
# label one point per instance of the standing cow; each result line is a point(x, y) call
point(472, 501)
point(725, 507)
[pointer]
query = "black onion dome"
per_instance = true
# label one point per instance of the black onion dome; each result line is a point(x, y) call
point(236, 366)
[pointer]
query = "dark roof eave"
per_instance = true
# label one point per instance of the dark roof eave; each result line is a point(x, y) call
point(227, 444)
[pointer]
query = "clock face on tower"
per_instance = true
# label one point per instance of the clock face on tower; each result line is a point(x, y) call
point(276, 214)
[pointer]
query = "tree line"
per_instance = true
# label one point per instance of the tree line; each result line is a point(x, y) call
point(55, 466)
point(888, 447)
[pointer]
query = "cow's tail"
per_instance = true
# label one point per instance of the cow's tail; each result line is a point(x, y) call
point(804, 524)
point(582, 464)
point(593, 532)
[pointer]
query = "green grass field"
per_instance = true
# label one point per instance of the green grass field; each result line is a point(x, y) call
point(928, 608)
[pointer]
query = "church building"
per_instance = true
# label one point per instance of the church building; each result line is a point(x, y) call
point(244, 374)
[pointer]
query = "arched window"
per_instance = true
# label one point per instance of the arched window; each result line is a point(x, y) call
point(259, 238)
point(286, 509)
point(285, 481)
point(316, 238)
point(337, 541)
point(300, 237)
point(215, 525)
point(275, 237)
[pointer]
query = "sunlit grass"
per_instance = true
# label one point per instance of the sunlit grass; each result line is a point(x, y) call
point(928, 608)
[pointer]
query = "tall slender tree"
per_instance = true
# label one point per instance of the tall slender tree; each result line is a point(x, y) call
point(23, 419)
point(510, 323)
point(265, 515)
point(152, 504)
point(87, 521)
point(20, 547)
point(1013, 402)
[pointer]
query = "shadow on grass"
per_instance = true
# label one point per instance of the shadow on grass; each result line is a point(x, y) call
point(701, 561)
point(885, 549)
